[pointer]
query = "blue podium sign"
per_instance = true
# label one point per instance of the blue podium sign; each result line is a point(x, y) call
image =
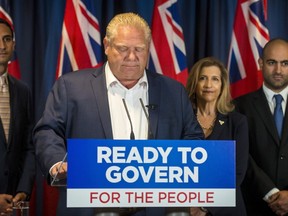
point(142, 173)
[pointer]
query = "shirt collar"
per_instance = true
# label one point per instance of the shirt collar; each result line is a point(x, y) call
point(111, 80)
point(270, 94)
point(4, 74)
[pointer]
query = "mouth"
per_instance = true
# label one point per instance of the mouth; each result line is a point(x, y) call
point(208, 92)
point(278, 77)
point(130, 66)
point(3, 54)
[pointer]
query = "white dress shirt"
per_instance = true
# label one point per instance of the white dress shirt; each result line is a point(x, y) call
point(121, 127)
point(271, 100)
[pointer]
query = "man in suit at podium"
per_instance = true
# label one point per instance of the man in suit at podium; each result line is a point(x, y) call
point(265, 188)
point(110, 103)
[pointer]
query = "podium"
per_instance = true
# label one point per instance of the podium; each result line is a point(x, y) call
point(150, 173)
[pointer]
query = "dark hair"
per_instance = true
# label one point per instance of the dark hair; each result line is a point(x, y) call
point(3, 21)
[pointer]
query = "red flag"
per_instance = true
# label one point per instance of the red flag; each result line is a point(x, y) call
point(13, 66)
point(80, 45)
point(249, 36)
point(168, 54)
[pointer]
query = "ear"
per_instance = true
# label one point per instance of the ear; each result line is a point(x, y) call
point(260, 63)
point(106, 44)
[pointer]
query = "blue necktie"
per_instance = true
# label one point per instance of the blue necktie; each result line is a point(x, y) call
point(278, 113)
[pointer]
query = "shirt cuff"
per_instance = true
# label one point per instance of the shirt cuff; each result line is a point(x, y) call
point(270, 193)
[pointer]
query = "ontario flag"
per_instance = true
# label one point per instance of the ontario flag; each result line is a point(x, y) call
point(13, 66)
point(249, 36)
point(168, 54)
point(80, 45)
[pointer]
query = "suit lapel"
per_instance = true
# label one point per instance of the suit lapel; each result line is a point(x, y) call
point(261, 105)
point(155, 99)
point(220, 125)
point(285, 127)
point(2, 136)
point(100, 91)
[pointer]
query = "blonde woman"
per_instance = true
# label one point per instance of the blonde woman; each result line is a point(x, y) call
point(208, 89)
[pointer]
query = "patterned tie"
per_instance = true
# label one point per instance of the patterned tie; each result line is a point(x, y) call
point(5, 105)
point(278, 113)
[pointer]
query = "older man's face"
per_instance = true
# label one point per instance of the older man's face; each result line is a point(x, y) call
point(127, 54)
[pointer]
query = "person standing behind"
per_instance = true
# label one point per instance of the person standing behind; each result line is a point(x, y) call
point(209, 91)
point(17, 159)
point(91, 103)
point(266, 184)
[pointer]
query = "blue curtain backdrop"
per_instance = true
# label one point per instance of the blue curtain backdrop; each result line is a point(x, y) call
point(207, 27)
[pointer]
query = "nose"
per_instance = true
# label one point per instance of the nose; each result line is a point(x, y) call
point(208, 83)
point(2, 44)
point(278, 67)
point(132, 54)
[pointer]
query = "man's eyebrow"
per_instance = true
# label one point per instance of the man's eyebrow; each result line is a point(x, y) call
point(276, 60)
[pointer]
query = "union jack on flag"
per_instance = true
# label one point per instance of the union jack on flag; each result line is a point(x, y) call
point(168, 54)
point(80, 45)
point(249, 36)
point(13, 66)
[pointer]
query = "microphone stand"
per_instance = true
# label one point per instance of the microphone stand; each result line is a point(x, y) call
point(132, 136)
point(150, 134)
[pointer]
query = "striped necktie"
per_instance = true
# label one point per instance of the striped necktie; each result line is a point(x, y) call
point(5, 105)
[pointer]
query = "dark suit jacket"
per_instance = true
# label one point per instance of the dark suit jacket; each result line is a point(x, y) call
point(77, 107)
point(17, 161)
point(233, 127)
point(268, 164)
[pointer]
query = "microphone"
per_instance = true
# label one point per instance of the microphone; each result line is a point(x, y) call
point(150, 134)
point(132, 136)
point(151, 106)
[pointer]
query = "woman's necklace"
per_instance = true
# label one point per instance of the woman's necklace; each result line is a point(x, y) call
point(208, 128)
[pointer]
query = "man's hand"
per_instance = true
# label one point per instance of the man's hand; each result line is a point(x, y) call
point(278, 202)
point(196, 211)
point(62, 173)
point(5, 204)
point(20, 197)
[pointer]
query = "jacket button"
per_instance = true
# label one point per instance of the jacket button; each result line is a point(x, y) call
point(282, 157)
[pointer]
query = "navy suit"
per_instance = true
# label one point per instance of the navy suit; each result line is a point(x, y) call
point(78, 107)
point(268, 164)
point(17, 159)
point(233, 126)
